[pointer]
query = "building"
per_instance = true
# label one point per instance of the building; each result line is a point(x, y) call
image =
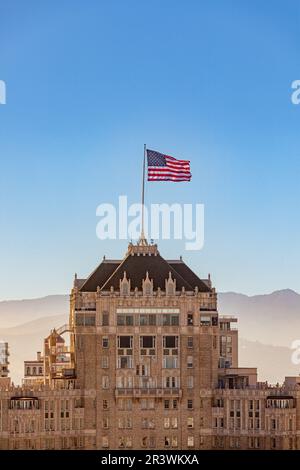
point(150, 365)
point(4, 362)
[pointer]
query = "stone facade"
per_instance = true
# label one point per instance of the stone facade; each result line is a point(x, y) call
point(151, 365)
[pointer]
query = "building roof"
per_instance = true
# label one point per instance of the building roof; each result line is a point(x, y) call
point(100, 275)
point(136, 264)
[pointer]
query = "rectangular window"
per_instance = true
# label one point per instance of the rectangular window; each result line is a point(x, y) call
point(190, 422)
point(170, 319)
point(125, 362)
point(104, 441)
point(190, 441)
point(105, 423)
point(170, 341)
point(166, 404)
point(90, 320)
point(190, 362)
point(105, 381)
point(190, 381)
point(144, 404)
point(174, 422)
point(147, 319)
point(205, 320)
point(105, 342)
point(104, 362)
point(190, 319)
point(273, 423)
point(190, 404)
point(171, 382)
point(190, 343)
point(147, 341)
point(170, 362)
point(125, 342)
point(124, 320)
point(105, 319)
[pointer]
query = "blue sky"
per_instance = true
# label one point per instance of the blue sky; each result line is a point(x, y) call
point(89, 82)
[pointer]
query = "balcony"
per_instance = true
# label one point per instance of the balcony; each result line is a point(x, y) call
point(148, 392)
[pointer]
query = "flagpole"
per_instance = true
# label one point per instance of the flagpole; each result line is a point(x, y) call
point(143, 194)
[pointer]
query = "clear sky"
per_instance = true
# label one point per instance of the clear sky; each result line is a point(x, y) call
point(89, 82)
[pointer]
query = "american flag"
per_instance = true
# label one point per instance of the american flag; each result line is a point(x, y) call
point(165, 168)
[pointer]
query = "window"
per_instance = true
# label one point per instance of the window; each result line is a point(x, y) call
point(89, 320)
point(105, 381)
point(144, 441)
point(273, 423)
point(168, 405)
point(146, 320)
point(147, 341)
point(147, 404)
point(125, 422)
point(104, 362)
point(27, 370)
point(34, 371)
point(40, 371)
point(205, 320)
point(190, 381)
point(190, 343)
point(171, 382)
point(171, 441)
point(125, 441)
point(190, 441)
point(125, 362)
point(190, 422)
point(190, 362)
point(105, 319)
point(190, 404)
point(125, 342)
point(170, 362)
point(105, 423)
point(104, 404)
point(174, 441)
point(124, 320)
point(142, 370)
point(148, 423)
point(170, 341)
point(105, 342)
point(104, 441)
point(170, 320)
point(190, 319)
point(152, 442)
point(166, 423)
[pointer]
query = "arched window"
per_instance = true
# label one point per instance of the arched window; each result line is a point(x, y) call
point(27, 370)
point(34, 371)
point(40, 371)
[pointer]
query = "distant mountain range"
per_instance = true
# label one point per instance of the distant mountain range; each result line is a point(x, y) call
point(271, 318)
point(267, 326)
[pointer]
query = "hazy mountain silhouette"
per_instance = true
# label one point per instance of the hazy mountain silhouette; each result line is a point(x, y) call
point(271, 319)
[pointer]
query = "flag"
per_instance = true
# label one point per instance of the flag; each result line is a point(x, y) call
point(165, 168)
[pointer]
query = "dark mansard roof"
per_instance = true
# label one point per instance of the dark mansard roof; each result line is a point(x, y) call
point(136, 264)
